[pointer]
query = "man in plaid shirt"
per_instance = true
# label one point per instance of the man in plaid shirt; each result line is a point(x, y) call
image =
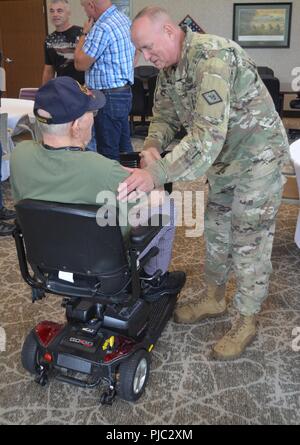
point(106, 54)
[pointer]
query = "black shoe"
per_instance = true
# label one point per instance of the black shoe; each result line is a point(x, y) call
point(6, 229)
point(7, 214)
point(169, 283)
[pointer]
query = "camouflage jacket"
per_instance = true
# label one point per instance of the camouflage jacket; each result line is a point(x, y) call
point(216, 93)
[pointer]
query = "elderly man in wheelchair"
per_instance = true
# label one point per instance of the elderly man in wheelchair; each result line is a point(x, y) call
point(118, 293)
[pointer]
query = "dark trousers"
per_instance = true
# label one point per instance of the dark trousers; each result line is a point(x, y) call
point(112, 126)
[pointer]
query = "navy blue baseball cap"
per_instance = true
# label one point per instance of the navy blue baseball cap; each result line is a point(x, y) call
point(66, 100)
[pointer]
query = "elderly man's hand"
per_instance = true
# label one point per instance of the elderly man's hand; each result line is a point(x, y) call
point(139, 181)
point(148, 156)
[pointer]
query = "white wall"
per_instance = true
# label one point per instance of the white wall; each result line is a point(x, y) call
point(216, 17)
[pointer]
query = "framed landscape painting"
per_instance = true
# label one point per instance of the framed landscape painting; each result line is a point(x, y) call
point(262, 25)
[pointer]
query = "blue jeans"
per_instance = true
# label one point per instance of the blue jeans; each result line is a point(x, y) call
point(112, 125)
point(1, 201)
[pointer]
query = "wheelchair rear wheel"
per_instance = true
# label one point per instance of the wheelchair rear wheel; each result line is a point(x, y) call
point(30, 354)
point(133, 376)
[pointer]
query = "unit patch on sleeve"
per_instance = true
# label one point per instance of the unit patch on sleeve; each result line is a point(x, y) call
point(212, 97)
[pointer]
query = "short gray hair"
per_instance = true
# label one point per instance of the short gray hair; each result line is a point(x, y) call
point(60, 1)
point(53, 129)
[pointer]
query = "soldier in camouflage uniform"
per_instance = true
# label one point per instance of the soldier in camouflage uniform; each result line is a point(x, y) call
point(209, 85)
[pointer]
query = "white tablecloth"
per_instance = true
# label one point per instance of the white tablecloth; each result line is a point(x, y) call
point(295, 155)
point(16, 108)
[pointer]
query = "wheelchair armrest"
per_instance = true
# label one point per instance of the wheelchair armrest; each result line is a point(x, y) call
point(132, 160)
point(141, 236)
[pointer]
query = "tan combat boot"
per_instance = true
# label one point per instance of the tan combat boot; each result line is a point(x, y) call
point(235, 341)
point(212, 304)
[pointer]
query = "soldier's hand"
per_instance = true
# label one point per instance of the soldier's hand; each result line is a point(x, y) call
point(139, 181)
point(148, 156)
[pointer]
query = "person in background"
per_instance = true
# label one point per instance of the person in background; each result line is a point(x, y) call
point(106, 54)
point(236, 138)
point(5, 214)
point(60, 45)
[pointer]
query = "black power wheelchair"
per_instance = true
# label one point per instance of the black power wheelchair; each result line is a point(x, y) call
point(110, 329)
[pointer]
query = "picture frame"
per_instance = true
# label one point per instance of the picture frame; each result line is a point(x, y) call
point(124, 6)
point(262, 25)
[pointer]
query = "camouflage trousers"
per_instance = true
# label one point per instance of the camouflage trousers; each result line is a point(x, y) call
point(239, 233)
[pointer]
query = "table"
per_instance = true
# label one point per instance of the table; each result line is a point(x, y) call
point(285, 91)
point(16, 108)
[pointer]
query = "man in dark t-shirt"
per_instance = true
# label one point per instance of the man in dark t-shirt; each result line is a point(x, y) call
point(60, 45)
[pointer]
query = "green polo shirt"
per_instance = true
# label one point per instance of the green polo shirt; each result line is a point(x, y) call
point(75, 177)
